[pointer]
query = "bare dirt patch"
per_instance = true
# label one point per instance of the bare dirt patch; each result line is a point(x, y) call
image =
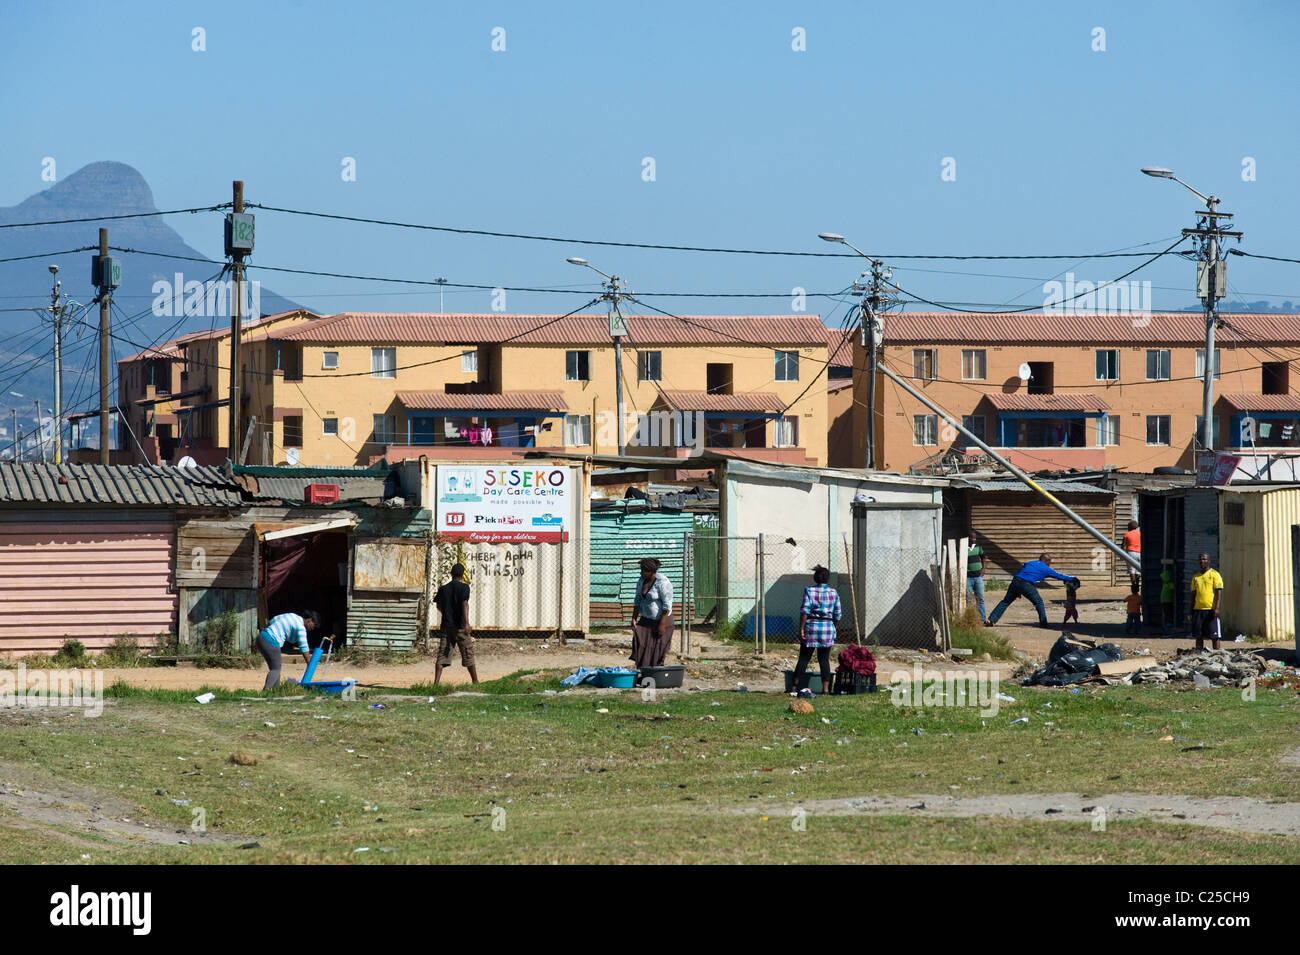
point(1237, 813)
point(72, 811)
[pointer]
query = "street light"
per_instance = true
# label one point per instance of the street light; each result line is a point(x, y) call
point(613, 291)
point(1209, 258)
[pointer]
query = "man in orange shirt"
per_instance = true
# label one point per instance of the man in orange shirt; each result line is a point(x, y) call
point(1133, 544)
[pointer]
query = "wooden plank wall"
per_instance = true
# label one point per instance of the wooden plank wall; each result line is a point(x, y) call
point(1016, 527)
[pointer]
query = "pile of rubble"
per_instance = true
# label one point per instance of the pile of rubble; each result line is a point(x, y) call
point(1205, 668)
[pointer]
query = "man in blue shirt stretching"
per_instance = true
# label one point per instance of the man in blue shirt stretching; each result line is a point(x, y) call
point(1025, 584)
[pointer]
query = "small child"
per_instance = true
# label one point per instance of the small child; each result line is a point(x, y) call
point(1134, 604)
point(1167, 598)
point(1071, 603)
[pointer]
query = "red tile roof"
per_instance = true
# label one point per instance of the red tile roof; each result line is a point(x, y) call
point(1263, 402)
point(1176, 328)
point(171, 348)
point(586, 329)
point(1019, 401)
point(509, 401)
point(840, 345)
point(703, 401)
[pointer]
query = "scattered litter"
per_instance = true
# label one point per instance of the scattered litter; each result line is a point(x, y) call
point(916, 731)
point(205, 698)
point(180, 802)
point(602, 710)
point(378, 706)
point(715, 703)
point(1239, 638)
point(369, 808)
point(360, 849)
point(1023, 719)
point(826, 721)
point(269, 723)
point(1166, 739)
point(318, 717)
point(1006, 699)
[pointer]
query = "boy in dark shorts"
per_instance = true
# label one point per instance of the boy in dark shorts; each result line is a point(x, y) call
point(452, 600)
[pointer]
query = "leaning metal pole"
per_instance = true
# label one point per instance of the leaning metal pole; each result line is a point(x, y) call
point(1114, 548)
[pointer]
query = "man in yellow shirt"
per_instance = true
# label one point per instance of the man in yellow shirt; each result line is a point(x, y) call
point(1207, 589)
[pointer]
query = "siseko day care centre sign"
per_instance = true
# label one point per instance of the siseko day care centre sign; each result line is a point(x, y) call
point(504, 505)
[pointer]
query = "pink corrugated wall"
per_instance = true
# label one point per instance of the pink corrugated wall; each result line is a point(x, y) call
point(90, 582)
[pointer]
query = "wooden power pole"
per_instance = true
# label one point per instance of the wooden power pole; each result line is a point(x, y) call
point(237, 268)
point(105, 299)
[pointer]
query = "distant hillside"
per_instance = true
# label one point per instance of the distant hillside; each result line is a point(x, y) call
point(102, 188)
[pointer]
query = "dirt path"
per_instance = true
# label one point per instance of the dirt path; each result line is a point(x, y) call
point(72, 812)
point(1238, 813)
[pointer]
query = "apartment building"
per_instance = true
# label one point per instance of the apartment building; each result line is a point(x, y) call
point(354, 387)
point(1101, 390)
point(173, 396)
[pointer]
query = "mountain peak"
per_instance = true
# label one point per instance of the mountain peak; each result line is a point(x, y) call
point(93, 186)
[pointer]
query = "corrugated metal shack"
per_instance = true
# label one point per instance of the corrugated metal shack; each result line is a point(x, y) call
point(1016, 524)
point(659, 522)
point(1255, 560)
point(1128, 488)
point(88, 551)
point(1177, 524)
point(361, 562)
point(528, 566)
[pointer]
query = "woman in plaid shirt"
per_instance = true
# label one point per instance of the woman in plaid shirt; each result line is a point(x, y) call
point(817, 618)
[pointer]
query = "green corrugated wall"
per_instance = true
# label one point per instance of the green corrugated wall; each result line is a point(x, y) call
point(618, 543)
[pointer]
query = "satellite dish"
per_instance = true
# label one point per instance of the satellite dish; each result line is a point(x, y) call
point(291, 456)
point(1024, 372)
point(187, 462)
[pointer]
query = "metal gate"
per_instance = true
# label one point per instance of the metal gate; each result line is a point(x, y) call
point(732, 576)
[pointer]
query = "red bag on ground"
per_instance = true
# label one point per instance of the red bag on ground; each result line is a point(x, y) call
point(855, 659)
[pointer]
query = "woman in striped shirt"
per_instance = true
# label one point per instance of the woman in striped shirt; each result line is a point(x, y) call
point(818, 616)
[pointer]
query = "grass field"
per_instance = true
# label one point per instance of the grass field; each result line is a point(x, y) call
point(688, 777)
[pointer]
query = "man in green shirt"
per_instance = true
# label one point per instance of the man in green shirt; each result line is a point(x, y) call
point(1167, 594)
point(975, 575)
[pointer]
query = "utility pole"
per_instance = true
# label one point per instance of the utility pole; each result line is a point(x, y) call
point(1211, 284)
point(615, 289)
point(873, 304)
point(872, 329)
point(40, 432)
point(106, 272)
point(56, 316)
point(239, 242)
point(18, 437)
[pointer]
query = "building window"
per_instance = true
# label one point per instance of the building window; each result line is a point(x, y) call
point(329, 427)
point(329, 360)
point(577, 430)
point(1108, 431)
point(1277, 378)
point(925, 429)
point(577, 365)
point(1158, 366)
point(787, 366)
point(469, 361)
point(1234, 512)
point(1107, 364)
point(383, 363)
point(925, 363)
point(649, 366)
point(787, 432)
point(1200, 362)
point(975, 424)
point(293, 431)
point(1157, 427)
point(972, 364)
point(1217, 437)
point(383, 429)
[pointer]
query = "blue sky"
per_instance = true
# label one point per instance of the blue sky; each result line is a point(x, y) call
point(755, 144)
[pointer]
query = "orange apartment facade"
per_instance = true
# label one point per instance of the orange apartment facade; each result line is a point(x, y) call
point(1103, 391)
point(352, 388)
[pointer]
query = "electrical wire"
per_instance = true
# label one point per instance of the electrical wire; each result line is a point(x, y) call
point(1039, 308)
point(126, 215)
point(650, 245)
